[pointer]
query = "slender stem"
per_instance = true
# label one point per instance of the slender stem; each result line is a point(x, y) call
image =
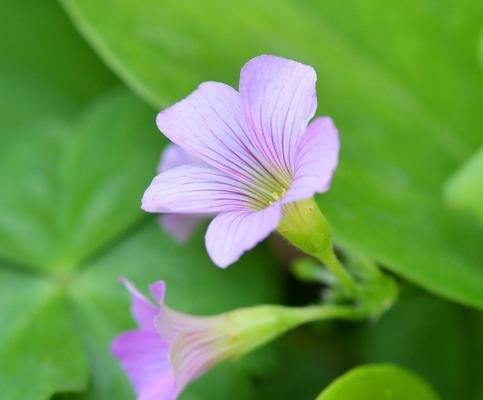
point(306, 227)
point(324, 312)
point(330, 260)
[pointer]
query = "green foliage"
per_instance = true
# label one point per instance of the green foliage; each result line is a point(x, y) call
point(371, 382)
point(73, 171)
point(77, 149)
point(40, 345)
point(436, 339)
point(400, 78)
point(439, 341)
point(464, 190)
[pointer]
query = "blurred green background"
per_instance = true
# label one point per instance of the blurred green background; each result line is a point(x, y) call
point(80, 84)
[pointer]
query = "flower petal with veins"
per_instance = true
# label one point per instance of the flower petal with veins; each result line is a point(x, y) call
point(255, 150)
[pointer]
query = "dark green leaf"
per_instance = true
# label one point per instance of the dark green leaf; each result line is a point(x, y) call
point(434, 338)
point(37, 40)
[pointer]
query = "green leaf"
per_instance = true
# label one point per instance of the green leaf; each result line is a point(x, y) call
point(67, 177)
point(464, 190)
point(434, 338)
point(40, 91)
point(37, 40)
point(396, 98)
point(40, 353)
point(383, 381)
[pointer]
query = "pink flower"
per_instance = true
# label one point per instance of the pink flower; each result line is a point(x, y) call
point(143, 353)
point(170, 349)
point(258, 153)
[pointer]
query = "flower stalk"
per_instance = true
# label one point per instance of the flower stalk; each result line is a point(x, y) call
point(304, 225)
point(170, 349)
point(370, 290)
point(248, 328)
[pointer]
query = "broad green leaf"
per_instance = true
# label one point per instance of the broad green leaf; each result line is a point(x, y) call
point(407, 103)
point(383, 381)
point(41, 88)
point(40, 352)
point(439, 340)
point(68, 181)
point(464, 190)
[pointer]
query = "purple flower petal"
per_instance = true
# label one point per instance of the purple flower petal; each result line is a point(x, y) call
point(180, 226)
point(144, 357)
point(163, 389)
point(195, 343)
point(315, 160)
point(209, 124)
point(252, 153)
point(142, 309)
point(195, 188)
point(231, 234)
point(174, 156)
point(158, 290)
point(278, 98)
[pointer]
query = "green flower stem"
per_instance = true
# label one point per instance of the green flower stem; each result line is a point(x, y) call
point(245, 329)
point(332, 263)
point(304, 225)
point(325, 312)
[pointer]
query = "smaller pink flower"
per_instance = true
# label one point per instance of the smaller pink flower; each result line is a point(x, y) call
point(168, 350)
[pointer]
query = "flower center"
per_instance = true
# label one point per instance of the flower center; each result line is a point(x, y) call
point(270, 190)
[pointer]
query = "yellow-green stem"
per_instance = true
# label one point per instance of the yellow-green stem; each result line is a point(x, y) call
point(329, 259)
point(304, 225)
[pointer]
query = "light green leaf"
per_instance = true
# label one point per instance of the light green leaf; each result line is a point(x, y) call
point(40, 91)
point(407, 108)
point(383, 381)
point(464, 190)
point(40, 353)
point(68, 181)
